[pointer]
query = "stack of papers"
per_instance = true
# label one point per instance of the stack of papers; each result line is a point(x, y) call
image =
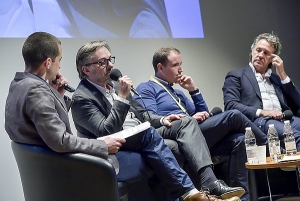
point(290, 158)
point(129, 131)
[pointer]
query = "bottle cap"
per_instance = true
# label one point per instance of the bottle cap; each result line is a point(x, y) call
point(271, 125)
point(248, 128)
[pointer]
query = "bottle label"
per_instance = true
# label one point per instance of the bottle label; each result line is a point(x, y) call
point(251, 155)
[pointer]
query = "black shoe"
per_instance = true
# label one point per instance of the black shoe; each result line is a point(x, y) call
point(221, 190)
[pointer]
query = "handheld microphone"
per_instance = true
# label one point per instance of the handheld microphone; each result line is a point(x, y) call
point(115, 75)
point(215, 111)
point(286, 115)
point(65, 86)
point(68, 88)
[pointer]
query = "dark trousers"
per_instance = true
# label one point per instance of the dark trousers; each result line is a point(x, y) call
point(155, 152)
point(224, 134)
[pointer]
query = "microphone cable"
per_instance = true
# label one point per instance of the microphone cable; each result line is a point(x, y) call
point(140, 97)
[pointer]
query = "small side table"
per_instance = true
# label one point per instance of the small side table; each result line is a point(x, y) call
point(270, 164)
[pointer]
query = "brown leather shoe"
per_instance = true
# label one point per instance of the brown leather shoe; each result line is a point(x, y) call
point(203, 196)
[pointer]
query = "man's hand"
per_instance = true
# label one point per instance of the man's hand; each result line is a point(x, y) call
point(125, 84)
point(278, 63)
point(186, 82)
point(201, 116)
point(173, 117)
point(275, 114)
point(58, 83)
point(114, 144)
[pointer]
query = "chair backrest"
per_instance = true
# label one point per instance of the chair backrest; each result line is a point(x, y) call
point(48, 175)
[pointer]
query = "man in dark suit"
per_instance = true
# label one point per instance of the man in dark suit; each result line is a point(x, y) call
point(36, 113)
point(99, 110)
point(258, 93)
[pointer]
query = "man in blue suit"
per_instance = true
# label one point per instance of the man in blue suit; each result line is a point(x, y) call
point(260, 94)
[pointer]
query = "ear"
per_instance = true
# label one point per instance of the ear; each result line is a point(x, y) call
point(86, 70)
point(159, 67)
point(47, 63)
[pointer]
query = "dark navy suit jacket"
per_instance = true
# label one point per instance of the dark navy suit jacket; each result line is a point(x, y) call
point(241, 92)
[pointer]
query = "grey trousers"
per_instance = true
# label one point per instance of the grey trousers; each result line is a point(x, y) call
point(192, 144)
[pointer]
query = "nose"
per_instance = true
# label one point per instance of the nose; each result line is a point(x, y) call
point(261, 54)
point(109, 67)
point(180, 68)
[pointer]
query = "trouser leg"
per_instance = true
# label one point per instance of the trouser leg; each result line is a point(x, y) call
point(152, 147)
point(295, 123)
point(132, 167)
point(217, 127)
point(234, 146)
point(190, 140)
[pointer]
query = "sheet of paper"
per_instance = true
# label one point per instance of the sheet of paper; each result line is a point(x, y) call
point(290, 158)
point(128, 132)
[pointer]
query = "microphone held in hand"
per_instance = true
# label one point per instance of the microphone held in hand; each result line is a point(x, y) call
point(115, 75)
point(286, 115)
point(68, 88)
point(65, 86)
point(215, 111)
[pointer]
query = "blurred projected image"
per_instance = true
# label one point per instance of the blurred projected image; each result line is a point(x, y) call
point(102, 18)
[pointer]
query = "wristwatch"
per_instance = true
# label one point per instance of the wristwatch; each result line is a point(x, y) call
point(194, 92)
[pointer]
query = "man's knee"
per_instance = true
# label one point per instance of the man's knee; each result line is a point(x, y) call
point(234, 113)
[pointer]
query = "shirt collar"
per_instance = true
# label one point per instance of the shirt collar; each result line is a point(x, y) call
point(103, 90)
point(163, 81)
point(267, 74)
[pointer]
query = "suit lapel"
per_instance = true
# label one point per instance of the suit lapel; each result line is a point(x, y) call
point(251, 77)
point(57, 95)
point(99, 96)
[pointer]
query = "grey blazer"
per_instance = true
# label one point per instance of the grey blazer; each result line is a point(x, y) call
point(35, 113)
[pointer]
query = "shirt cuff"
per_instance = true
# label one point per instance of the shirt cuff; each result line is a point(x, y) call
point(257, 112)
point(286, 80)
point(161, 121)
point(122, 100)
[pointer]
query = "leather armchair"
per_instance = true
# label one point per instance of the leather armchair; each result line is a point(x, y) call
point(47, 175)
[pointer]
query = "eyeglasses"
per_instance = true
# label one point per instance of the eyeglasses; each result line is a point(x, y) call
point(103, 62)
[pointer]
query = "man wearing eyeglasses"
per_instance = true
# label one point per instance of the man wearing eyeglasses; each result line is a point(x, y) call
point(100, 109)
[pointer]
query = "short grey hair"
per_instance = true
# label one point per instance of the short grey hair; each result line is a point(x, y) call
point(85, 53)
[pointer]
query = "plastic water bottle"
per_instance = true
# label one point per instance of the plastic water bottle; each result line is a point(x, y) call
point(273, 142)
point(250, 143)
point(289, 139)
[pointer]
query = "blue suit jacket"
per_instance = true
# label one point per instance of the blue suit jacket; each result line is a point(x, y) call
point(241, 91)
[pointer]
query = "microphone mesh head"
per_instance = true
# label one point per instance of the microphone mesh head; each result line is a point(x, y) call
point(287, 114)
point(216, 110)
point(115, 74)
